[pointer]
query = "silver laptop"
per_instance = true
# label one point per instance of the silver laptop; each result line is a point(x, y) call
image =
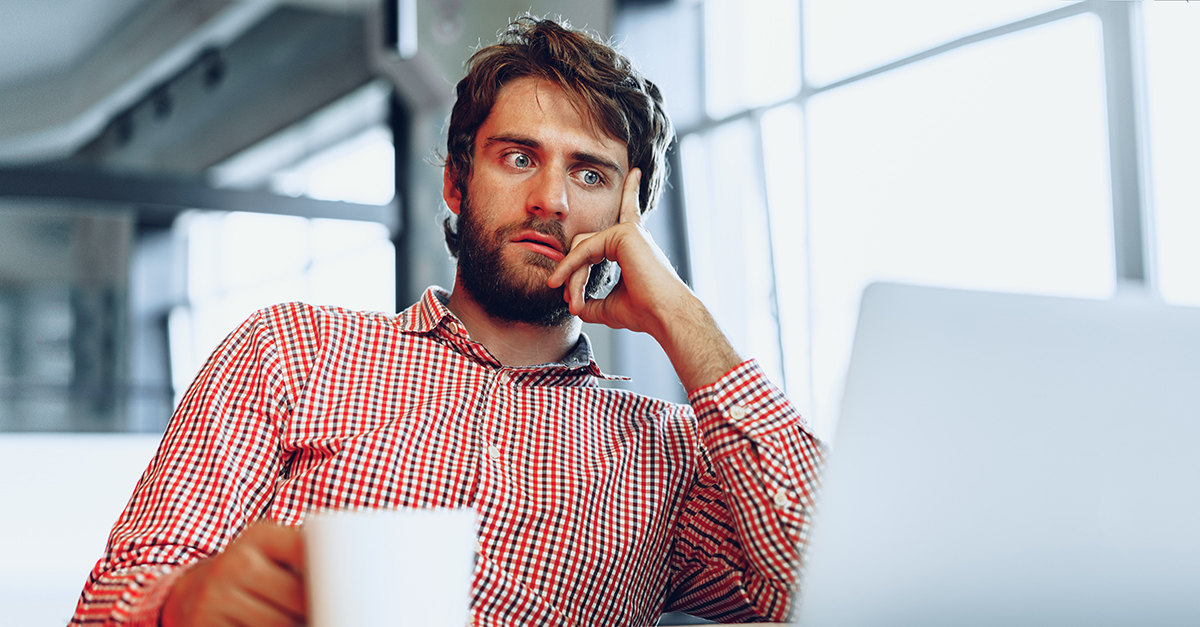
point(1012, 460)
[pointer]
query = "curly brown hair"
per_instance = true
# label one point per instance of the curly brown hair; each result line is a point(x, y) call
point(626, 105)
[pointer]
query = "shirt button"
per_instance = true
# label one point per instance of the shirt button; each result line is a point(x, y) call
point(781, 498)
point(493, 451)
point(738, 412)
point(502, 378)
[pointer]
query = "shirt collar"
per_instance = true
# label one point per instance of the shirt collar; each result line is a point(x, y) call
point(432, 316)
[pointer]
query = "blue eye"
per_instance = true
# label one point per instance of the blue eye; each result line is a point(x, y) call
point(591, 178)
point(521, 161)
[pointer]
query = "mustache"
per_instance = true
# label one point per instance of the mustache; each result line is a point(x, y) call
point(548, 227)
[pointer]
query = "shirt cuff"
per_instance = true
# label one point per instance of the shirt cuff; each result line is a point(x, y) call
point(146, 604)
point(742, 406)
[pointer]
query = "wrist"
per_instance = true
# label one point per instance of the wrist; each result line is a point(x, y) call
point(173, 610)
point(695, 344)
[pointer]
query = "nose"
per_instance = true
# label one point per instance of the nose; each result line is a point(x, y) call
point(548, 195)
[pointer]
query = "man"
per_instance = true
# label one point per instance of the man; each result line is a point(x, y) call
point(596, 506)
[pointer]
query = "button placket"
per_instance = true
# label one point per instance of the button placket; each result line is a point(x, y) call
point(502, 379)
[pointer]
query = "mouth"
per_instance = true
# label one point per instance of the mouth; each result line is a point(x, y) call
point(539, 243)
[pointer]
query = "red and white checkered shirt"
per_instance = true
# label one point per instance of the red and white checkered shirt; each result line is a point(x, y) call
point(596, 506)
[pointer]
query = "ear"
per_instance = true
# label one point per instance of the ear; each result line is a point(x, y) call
point(450, 191)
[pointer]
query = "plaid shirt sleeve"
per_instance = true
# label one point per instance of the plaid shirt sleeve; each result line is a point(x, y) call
point(211, 477)
point(738, 549)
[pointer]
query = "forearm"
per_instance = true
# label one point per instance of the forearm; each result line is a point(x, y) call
point(698, 350)
point(767, 461)
point(743, 537)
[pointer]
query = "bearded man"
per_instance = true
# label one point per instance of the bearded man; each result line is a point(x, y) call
point(596, 506)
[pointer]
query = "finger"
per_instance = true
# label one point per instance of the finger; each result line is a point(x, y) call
point(280, 543)
point(275, 585)
point(630, 211)
point(576, 287)
point(593, 310)
point(577, 284)
point(578, 256)
point(244, 608)
point(603, 310)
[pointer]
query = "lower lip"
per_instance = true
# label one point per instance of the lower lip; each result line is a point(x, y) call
point(541, 249)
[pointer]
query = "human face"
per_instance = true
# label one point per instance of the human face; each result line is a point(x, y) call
point(541, 174)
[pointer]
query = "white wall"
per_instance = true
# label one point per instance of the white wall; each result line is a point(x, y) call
point(59, 496)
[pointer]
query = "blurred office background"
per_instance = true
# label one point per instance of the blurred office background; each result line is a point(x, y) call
point(169, 166)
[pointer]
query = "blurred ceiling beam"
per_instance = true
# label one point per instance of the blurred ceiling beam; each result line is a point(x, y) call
point(159, 199)
point(290, 64)
point(49, 118)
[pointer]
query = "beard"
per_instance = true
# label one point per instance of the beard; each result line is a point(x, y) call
point(512, 291)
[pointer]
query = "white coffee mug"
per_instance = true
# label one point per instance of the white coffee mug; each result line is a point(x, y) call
point(399, 567)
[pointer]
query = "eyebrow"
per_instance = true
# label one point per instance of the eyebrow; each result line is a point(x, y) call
point(584, 157)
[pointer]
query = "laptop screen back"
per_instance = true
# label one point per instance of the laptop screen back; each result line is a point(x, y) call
point(1012, 460)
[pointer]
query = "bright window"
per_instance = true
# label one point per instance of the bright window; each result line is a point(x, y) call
point(361, 169)
point(730, 248)
point(937, 142)
point(985, 169)
point(845, 38)
point(783, 161)
point(752, 53)
point(1172, 47)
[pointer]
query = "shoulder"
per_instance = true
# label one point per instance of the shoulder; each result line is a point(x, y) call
point(302, 318)
point(299, 330)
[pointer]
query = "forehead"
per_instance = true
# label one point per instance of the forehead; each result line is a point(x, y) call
point(541, 110)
